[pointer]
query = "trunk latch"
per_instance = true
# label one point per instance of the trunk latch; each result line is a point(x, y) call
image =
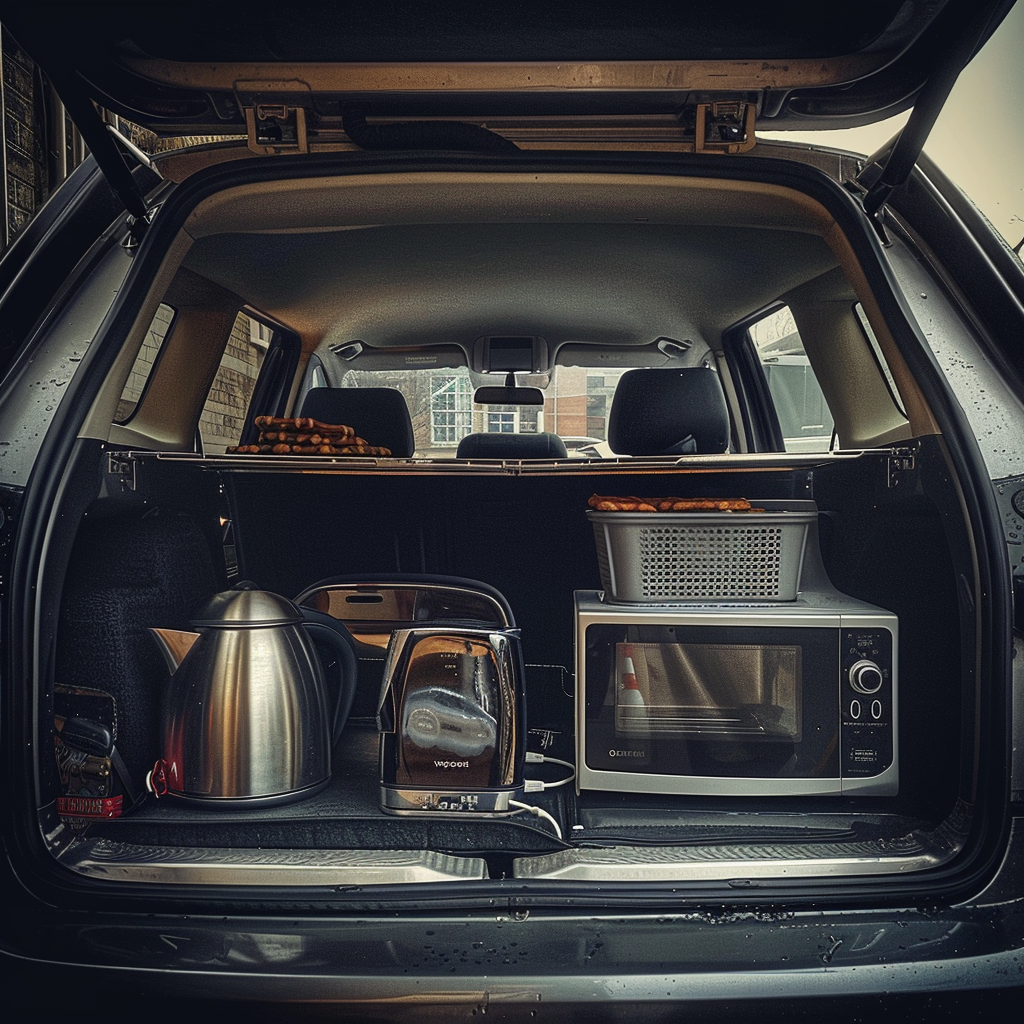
point(276, 128)
point(724, 126)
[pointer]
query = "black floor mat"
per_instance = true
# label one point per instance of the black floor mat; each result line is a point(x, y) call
point(344, 815)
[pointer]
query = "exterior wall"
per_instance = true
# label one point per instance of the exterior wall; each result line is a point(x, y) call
point(40, 145)
point(144, 361)
point(223, 417)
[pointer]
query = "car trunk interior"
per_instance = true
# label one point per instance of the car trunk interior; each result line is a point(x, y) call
point(156, 529)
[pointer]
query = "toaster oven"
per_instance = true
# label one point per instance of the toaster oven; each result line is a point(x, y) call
point(758, 699)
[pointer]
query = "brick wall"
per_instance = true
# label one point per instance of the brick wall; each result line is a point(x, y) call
point(40, 145)
point(223, 416)
point(144, 361)
point(23, 164)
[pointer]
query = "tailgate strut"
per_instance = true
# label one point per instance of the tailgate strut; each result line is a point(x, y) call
point(101, 143)
point(955, 55)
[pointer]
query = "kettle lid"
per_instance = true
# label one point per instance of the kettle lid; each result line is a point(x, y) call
point(244, 605)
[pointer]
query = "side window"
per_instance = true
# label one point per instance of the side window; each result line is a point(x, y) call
point(869, 334)
point(799, 404)
point(135, 386)
point(224, 415)
point(317, 376)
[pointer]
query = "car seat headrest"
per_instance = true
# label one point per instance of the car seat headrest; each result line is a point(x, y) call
point(512, 446)
point(668, 412)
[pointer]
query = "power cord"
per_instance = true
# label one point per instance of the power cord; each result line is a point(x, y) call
point(537, 812)
point(535, 785)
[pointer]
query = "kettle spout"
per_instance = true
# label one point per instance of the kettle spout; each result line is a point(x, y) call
point(174, 644)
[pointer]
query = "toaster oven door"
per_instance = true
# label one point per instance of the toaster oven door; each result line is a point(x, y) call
point(713, 701)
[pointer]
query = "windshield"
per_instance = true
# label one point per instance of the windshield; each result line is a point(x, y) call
point(577, 400)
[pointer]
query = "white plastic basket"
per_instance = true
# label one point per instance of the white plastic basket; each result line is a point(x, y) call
point(659, 557)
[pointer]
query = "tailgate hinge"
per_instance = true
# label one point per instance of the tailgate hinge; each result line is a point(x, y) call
point(724, 126)
point(137, 228)
point(276, 128)
point(900, 464)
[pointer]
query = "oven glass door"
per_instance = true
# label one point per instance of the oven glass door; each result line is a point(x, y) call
point(713, 701)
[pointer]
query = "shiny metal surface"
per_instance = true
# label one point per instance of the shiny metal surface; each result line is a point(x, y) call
point(373, 610)
point(451, 803)
point(103, 858)
point(451, 716)
point(245, 607)
point(245, 715)
point(710, 863)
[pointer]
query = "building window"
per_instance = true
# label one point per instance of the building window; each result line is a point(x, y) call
point(513, 419)
point(529, 419)
point(451, 409)
point(501, 422)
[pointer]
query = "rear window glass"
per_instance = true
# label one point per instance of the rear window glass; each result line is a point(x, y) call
point(804, 416)
point(224, 415)
point(135, 386)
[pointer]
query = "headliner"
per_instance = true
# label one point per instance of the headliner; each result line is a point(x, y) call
point(416, 284)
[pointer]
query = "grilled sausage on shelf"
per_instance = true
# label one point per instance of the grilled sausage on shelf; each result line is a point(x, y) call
point(608, 503)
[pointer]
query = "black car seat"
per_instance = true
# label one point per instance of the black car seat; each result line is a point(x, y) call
point(378, 415)
point(668, 412)
point(512, 446)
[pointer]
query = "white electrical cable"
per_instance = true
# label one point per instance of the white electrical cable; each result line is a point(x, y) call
point(539, 812)
point(535, 785)
point(534, 758)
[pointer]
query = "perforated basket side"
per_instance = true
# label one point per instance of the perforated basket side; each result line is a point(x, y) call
point(653, 557)
point(694, 562)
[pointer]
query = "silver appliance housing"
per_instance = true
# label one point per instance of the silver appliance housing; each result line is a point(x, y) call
point(446, 750)
point(824, 608)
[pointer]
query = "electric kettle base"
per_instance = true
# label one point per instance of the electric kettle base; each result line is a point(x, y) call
point(236, 803)
point(410, 801)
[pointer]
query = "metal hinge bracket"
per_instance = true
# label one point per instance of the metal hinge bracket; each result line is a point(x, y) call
point(137, 228)
point(122, 467)
point(276, 128)
point(901, 462)
point(877, 219)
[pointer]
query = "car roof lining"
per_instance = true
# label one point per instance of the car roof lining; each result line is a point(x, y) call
point(435, 258)
point(430, 257)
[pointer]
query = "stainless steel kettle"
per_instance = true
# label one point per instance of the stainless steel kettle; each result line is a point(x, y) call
point(246, 717)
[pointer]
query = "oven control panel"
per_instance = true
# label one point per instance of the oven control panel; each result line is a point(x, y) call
point(866, 694)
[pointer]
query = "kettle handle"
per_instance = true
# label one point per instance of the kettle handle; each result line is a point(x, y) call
point(321, 626)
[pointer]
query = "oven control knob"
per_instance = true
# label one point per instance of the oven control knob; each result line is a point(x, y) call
point(865, 676)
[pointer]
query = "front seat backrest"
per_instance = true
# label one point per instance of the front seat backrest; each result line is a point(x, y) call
point(512, 446)
point(378, 415)
point(668, 412)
